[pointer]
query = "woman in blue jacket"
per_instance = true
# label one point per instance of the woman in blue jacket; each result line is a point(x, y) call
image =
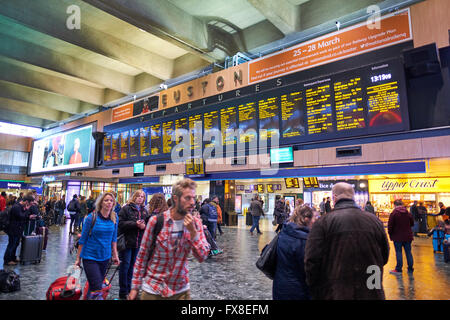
point(289, 282)
point(98, 244)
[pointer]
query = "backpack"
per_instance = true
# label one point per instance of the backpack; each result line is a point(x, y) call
point(9, 281)
point(5, 219)
point(71, 206)
point(267, 262)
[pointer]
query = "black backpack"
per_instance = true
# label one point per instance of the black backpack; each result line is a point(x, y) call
point(5, 219)
point(9, 281)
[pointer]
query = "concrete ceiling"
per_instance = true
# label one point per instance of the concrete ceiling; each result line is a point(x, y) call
point(52, 73)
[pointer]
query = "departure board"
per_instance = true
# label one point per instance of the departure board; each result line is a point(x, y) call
point(134, 143)
point(268, 118)
point(145, 141)
point(269, 188)
point(348, 98)
point(181, 132)
point(383, 103)
point(115, 151)
point(211, 127)
point(195, 166)
point(195, 130)
point(247, 122)
point(155, 140)
point(319, 107)
point(167, 136)
point(291, 183)
point(292, 115)
point(260, 188)
point(124, 144)
point(228, 122)
point(107, 140)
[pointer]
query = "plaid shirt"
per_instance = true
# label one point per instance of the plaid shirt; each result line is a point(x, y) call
point(166, 274)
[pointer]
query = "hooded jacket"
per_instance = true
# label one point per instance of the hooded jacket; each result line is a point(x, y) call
point(128, 216)
point(399, 225)
point(289, 282)
point(341, 246)
point(280, 212)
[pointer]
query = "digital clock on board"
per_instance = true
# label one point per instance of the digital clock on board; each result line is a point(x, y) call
point(381, 77)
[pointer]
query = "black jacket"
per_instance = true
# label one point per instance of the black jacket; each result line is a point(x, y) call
point(341, 246)
point(128, 216)
point(76, 206)
point(19, 220)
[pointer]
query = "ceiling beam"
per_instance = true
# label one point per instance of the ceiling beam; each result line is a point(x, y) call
point(33, 110)
point(281, 13)
point(49, 17)
point(164, 20)
point(19, 118)
point(54, 101)
point(42, 81)
point(40, 56)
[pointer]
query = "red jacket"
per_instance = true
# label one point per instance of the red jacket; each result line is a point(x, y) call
point(2, 203)
point(399, 225)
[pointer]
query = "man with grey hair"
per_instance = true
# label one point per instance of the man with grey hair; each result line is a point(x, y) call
point(343, 249)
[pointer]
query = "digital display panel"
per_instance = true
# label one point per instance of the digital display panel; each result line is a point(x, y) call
point(107, 140)
point(155, 140)
point(72, 149)
point(348, 98)
point(134, 143)
point(145, 141)
point(115, 154)
point(281, 155)
point(311, 182)
point(228, 122)
point(260, 188)
point(138, 167)
point(319, 107)
point(291, 183)
point(211, 127)
point(269, 188)
point(181, 132)
point(195, 166)
point(247, 122)
point(268, 118)
point(195, 130)
point(167, 136)
point(292, 115)
point(124, 144)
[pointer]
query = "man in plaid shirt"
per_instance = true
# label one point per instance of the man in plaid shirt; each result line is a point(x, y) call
point(165, 274)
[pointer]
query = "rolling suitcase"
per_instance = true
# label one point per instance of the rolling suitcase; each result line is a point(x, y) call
point(106, 285)
point(44, 232)
point(66, 288)
point(31, 249)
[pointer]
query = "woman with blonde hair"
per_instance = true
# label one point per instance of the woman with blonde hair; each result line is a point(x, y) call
point(133, 218)
point(289, 282)
point(98, 243)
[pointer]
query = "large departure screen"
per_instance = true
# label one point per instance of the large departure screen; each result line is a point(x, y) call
point(292, 115)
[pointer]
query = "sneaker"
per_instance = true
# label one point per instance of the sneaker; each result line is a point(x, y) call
point(410, 270)
point(251, 232)
point(260, 233)
point(12, 263)
point(395, 272)
point(219, 251)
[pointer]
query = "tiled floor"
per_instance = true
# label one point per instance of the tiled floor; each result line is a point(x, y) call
point(233, 274)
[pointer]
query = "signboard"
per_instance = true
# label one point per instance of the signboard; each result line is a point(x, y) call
point(394, 28)
point(72, 149)
point(260, 188)
point(135, 109)
point(269, 188)
point(195, 166)
point(419, 185)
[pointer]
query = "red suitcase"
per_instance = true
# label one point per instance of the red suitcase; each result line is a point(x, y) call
point(106, 286)
point(66, 288)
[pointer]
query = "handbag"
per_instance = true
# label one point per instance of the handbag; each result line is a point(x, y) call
point(121, 245)
point(267, 262)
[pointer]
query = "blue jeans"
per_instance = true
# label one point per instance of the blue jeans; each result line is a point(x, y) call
point(255, 224)
point(95, 273)
point(398, 252)
point(127, 259)
point(212, 225)
point(60, 219)
point(10, 252)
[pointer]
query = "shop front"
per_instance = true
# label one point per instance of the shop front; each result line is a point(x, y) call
point(14, 187)
point(429, 191)
point(314, 196)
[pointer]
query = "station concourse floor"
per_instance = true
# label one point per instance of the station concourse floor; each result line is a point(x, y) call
point(233, 274)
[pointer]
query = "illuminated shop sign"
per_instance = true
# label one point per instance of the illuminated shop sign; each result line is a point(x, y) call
point(410, 185)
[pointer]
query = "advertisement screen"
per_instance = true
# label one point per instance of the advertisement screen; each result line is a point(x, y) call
point(72, 149)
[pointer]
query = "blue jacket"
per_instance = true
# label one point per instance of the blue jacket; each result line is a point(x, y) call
point(290, 280)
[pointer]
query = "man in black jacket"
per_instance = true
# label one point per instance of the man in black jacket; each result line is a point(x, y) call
point(74, 211)
point(18, 220)
point(346, 251)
